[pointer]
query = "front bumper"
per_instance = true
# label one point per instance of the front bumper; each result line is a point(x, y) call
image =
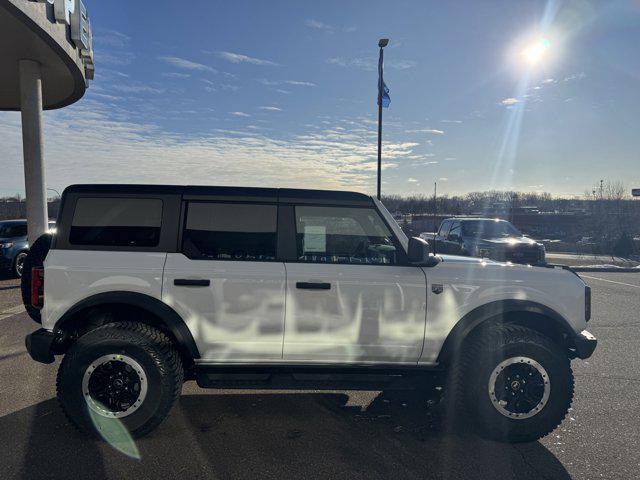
point(6, 263)
point(584, 343)
point(39, 345)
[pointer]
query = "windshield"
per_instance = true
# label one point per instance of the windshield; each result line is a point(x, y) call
point(12, 230)
point(489, 229)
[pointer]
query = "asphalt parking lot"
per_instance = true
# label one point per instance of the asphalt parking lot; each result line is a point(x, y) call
point(239, 434)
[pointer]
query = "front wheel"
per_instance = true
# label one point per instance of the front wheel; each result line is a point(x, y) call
point(18, 264)
point(511, 384)
point(120, 375)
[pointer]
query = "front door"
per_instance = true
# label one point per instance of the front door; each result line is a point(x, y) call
point(349, 298)
point(226, 283)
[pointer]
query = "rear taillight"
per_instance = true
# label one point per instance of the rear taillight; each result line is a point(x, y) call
point(587, 303)
point(37, 287)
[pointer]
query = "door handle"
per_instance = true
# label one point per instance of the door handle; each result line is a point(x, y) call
point(192, 282)
point(313, 285)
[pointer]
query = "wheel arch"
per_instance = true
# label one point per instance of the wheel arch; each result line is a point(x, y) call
point(529, 314)
point(138, 307)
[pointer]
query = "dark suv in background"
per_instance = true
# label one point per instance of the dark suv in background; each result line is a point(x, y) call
point(14, 245)
point(487, 238)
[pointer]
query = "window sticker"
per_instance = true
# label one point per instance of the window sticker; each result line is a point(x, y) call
point(315, 239)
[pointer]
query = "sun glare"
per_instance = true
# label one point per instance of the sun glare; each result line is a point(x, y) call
point(536, 51)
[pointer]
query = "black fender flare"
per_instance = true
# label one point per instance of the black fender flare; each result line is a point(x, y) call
point(170, 318)
point(492, 310)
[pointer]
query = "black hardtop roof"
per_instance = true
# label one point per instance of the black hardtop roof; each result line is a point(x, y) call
point(285, 195)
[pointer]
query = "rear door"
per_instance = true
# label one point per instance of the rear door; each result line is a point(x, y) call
point(225, 281)
point(350, 299)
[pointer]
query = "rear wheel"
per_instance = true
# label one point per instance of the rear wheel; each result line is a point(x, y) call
point(511, 384)
point(120, 375)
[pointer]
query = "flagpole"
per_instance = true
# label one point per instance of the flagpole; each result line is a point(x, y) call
point(382, 43)
point(380, 137)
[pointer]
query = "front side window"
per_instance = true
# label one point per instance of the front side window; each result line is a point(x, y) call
point(227, 231)
point(117, 222)
point(343, 235)
point(455, 231)
point(444, 228)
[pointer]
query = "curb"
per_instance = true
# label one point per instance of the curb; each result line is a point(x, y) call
point(605, 270)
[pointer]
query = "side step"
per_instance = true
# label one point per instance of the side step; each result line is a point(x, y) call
point(281, 379)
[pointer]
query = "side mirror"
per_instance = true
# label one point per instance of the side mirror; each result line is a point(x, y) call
point(418, 252)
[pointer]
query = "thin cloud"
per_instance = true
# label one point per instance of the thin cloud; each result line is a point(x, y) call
point(318, 25)
point(451, 121)
point(432, 131)
point(187, 64)
point(575, 76)
point(240, 58)
point(111, 38)
point(270, 109)
point(104, 96)
point(509, 101)
point(239, 114)
point(118, 59)
point(176, 75)
point(340, 160)
point(137, 89)
point(300, 83)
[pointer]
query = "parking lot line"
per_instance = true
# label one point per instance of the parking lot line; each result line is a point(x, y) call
point(10, 312)
point(611, 281)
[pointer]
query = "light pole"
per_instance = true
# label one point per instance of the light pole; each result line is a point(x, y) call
point(383, 42)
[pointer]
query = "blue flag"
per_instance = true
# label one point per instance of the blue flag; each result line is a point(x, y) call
point(383, 90)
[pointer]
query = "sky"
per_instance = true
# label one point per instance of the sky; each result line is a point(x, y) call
point(526, 95)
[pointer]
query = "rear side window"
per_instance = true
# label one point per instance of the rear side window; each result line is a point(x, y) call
point(227, 231)
point(116, 222)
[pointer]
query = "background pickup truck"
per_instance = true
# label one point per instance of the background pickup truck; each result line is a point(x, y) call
point(487, 238)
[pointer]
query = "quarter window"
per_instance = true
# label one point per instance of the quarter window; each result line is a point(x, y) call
point(118, 222)
point(227, 231)
point(343, 235)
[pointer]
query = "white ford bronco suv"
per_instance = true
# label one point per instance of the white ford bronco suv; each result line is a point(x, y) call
point(143, 287)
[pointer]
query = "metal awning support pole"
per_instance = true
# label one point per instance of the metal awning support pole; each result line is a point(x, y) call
point(32, 145)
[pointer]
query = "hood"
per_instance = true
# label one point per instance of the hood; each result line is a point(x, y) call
point(507, 241)
point(464, 259)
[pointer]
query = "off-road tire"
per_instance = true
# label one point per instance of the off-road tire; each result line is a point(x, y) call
point(468, 403)
point(35, 258)
point(151, 348)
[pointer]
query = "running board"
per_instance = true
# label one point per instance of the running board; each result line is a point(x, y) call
point(305, 380)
